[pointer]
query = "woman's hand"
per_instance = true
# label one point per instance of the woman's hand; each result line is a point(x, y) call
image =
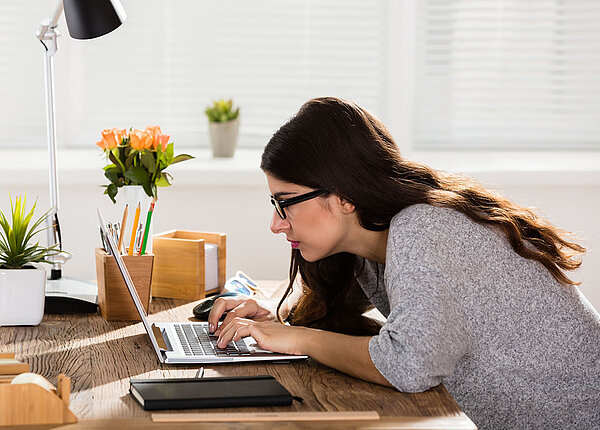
point(348, 354)
point(269, 335)
point(243, 307)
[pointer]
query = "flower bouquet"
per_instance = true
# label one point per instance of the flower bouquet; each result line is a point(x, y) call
point(138, 158)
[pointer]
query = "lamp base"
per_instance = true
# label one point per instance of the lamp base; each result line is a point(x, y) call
point(70, 296)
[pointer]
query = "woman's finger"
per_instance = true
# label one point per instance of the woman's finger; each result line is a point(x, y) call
point(221, 305)
point(247, 309)
point(227, 334)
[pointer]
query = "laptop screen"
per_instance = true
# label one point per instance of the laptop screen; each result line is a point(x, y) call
point(110, 241)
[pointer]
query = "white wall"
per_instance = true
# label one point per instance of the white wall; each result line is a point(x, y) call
point(574, 209)
point(232, 197)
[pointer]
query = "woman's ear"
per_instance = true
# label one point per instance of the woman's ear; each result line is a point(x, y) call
point(345, 206)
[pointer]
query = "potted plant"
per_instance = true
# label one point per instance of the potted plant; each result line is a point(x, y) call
point(22, 283)
point(138, 158)
point(223, 126)
point(137, 162)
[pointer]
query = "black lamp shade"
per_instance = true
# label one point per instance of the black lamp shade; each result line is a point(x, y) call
point(87, 19)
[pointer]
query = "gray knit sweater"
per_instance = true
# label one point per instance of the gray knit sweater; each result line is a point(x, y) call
point(514, 348)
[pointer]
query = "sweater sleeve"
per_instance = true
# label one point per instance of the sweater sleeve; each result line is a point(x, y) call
point(424, 336)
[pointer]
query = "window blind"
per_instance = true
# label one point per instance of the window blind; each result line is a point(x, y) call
point(507, 74)
point(22, 91)
point(171, 58)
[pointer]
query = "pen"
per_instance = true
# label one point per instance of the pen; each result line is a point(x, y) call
point(147, 229)
point(123, 224)
point(115, 231)
point(117, 228)
point(200, 373)
point(104, 242)
point(138, 239)
point(136, 219)
point(110, 230)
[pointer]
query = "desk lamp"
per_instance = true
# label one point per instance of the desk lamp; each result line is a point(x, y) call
point(86, 19)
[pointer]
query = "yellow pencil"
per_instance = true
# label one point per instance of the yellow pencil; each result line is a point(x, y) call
point(122, 232)
point(136, 220)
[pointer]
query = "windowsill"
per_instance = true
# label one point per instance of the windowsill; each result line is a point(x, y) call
point(84, 167)
point(541, 168)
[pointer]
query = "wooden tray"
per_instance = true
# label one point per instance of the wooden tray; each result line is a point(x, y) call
point(30, 404)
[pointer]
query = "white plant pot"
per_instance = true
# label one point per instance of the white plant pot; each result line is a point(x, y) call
point(132, 195)
point(22, 296)
point(223, 137)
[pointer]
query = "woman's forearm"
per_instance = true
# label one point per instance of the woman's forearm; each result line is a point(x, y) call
point(348, 354)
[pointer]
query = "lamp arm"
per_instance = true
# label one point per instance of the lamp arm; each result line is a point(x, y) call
point(48, 36)
point(57, 12)
point(49, 22)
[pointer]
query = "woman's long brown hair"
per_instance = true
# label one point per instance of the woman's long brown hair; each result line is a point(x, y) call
point(334, 144)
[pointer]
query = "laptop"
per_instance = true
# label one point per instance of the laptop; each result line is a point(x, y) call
point(188, 342)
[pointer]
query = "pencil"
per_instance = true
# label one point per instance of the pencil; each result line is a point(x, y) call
point(136, 219)
point(123, 224)
point(147, 229)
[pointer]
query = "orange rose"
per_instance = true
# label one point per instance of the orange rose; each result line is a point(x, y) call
point(158, 137)
point(120, 133)
point(153, 130)
point(140, 140)
point(109, 139)
point(163, 140)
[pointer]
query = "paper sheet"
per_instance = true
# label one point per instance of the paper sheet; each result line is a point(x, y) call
point(211, 267)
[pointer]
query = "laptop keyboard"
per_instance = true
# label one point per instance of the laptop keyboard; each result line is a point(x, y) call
point(196, 340)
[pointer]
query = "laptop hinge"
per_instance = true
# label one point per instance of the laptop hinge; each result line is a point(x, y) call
point(159, 338)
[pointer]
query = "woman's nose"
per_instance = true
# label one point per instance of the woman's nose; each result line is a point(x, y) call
point(278, 225)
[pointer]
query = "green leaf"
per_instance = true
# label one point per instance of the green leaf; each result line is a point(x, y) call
point(130, 160)
point(181, 157)
point(222, 111)
point(148, 189)
point(138, 175)
point(112, 177)
point(164, 180)
point(169, 152)
point(148, 160)
point(112, 155)
point(17, 246)
point(112, 191)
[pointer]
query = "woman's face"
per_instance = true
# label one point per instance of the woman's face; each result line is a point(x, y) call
point(316, 227)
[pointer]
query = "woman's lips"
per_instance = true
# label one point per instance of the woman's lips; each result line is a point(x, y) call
point(294, 243)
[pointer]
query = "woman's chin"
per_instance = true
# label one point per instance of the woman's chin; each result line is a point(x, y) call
point(311, 257)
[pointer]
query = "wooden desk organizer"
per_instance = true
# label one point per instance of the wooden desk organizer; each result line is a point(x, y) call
point(30, 404)
point(179, 263)
point(114, 300)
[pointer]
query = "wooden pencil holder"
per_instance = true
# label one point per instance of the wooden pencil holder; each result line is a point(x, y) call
point(114, 301)
point(30, 404)
point(179, 269)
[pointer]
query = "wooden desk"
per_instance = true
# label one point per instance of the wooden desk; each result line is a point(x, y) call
point(101, 357)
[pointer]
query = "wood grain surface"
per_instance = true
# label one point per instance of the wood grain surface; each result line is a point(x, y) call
point(100, 357)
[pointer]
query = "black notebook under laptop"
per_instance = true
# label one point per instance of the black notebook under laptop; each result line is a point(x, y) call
point(220, 392)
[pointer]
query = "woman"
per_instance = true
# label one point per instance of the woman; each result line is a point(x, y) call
point(473, 286)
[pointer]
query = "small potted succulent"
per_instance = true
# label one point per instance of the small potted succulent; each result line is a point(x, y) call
point(22, 282)
point(223, 126)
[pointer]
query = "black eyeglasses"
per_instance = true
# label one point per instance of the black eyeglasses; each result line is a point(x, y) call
point(281, 204)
